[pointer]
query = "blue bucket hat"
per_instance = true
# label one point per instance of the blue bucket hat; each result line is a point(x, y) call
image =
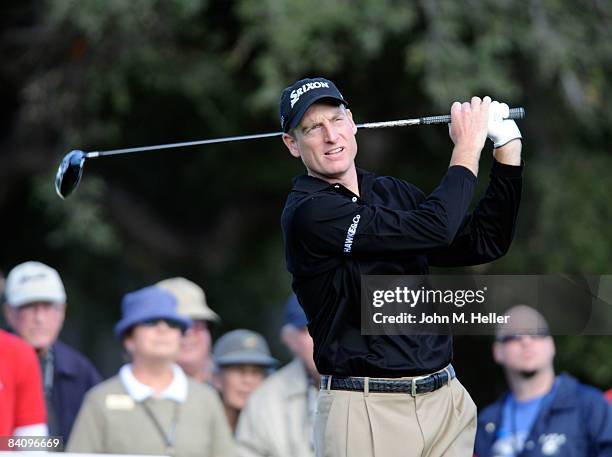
point(145, 304)
point(294, 314)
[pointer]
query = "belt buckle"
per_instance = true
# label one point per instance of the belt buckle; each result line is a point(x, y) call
point(413, 386)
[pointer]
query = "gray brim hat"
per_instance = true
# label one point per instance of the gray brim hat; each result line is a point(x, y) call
point(242, 347)
point(191, 299)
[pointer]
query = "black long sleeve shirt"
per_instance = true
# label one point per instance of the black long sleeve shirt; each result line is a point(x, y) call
point(332, 237)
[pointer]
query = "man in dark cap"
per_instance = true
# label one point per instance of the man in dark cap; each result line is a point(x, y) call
point(391, 395)
point(542, 414)
point(277, 420)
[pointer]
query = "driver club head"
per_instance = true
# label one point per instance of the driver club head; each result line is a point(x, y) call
point(69, 173)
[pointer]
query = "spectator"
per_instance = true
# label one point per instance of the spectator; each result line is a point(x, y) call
point(277, 420)
point(543, 414)
point(242, 360)
point(195, 358)
point(151, 407)
point(35, 308)
point(22, 411)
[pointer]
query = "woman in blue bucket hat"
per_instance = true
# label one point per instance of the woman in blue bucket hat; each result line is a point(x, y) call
point(151, 407)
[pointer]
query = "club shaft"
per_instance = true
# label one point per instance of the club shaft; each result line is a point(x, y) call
point(227, 139)
point(515, 113)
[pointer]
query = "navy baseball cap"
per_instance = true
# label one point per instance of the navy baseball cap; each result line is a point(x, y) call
point(294, 314)
point(299, 96)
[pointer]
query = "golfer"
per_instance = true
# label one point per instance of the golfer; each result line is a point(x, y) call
point(388, 396)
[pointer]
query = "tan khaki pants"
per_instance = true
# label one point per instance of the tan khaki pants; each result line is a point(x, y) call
point(355, 424)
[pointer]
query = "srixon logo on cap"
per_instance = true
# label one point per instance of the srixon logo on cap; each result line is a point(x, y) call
point(297, 93)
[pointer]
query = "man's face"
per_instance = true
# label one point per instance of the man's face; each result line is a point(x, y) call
point(237, 382)
point(195, 345)
point(38, 323)
point(156, 340)
point(525, 354)
point(325, 141)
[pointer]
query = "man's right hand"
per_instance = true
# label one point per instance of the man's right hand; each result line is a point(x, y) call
point(468, 130)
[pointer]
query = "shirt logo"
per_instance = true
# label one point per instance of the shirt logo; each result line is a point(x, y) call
point(297, 93)
point(551, 443)
point(350, 234)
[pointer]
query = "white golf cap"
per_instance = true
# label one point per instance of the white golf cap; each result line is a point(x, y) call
point(30, 282)
point(190, 297)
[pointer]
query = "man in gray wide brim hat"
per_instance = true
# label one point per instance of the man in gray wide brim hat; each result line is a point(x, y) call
point(242, 361)
point(278, 418)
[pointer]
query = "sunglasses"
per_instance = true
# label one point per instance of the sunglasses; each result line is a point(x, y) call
point(169, 322)
point(510, 338)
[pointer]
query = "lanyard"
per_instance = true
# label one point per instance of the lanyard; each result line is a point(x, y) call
point(47, 364)
point(170, 437)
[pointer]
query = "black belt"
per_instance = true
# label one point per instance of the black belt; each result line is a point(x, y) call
point(414, 386)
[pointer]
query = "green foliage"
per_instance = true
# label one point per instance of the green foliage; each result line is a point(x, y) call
point(574, 212)
point(292, 39)
point(102, 74)
point(80, 224)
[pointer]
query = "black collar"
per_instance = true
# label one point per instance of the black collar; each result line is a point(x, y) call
point(310, 184)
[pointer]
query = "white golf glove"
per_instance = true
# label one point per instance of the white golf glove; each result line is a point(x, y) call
point(499, 130)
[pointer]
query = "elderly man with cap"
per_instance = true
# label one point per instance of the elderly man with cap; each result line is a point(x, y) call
point(242, 361)
point(151, 407)
point(391, 395)
point(195, 358)
point(277, 420)
point(543, 414)
point(35, 309)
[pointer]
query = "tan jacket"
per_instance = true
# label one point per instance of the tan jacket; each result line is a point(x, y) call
point(110, 421)
point(277, 420)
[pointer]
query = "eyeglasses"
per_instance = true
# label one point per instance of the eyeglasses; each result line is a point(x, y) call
point(510, 338)
point(169, 322)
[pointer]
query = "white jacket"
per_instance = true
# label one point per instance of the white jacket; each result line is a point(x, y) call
point(277, 420)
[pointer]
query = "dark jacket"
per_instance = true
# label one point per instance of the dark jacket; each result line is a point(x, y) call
point(73, 376)
point(577, 422)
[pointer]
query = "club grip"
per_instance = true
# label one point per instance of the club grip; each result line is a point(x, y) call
point(515, 113)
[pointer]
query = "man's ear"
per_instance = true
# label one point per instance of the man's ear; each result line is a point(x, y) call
point(291, 144)
point(9, 315)
point(128, 344)
point(216, 380)
point(497, 353)
point(288, 337)
point(63, 312)
point(350, 116)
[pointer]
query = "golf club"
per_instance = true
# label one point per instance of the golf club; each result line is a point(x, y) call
point(70, 171)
